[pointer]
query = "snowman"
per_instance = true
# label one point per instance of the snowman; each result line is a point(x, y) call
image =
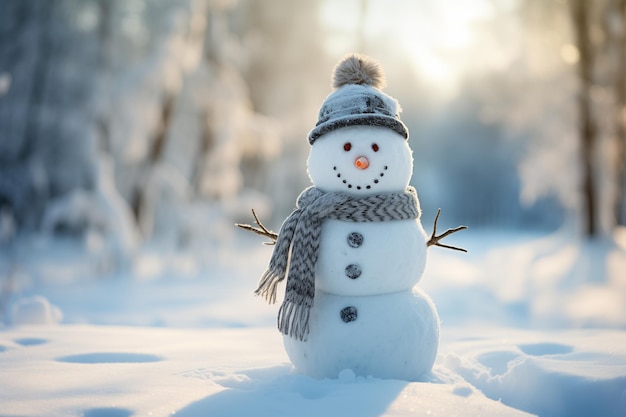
point(354, 248)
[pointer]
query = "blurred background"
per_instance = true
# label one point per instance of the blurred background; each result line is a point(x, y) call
point(159, 123)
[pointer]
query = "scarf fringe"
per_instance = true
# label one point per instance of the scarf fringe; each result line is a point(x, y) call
point(293, 320)
point(268, 284)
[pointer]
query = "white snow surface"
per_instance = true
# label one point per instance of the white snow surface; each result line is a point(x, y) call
point(531, 325)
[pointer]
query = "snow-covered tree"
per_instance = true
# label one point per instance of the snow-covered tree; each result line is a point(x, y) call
point(287, 71)
point(48, 68)
point(147, 97)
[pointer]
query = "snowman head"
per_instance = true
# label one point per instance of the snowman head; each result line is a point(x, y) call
point(359, 144)
point(361, 160)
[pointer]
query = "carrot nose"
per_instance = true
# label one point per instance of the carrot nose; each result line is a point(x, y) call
point(361, 162)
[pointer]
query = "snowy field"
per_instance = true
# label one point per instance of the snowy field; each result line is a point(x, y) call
point(531, 325)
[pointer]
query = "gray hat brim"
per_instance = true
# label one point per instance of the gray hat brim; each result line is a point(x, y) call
point(359, 120)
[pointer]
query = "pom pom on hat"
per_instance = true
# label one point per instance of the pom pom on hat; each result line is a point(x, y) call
point(358, 69)
point(358, 99)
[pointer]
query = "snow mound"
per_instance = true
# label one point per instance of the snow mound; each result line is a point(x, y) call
point(578, 373)
point(35, 310)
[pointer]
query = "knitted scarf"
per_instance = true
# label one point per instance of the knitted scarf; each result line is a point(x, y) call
point(298, 241)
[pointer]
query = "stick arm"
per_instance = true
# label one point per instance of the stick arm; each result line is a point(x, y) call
point(435, 240)
point(259, 229)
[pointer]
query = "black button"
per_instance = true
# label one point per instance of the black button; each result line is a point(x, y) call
point(353, 271)
point(355, 239)
point(348, 314)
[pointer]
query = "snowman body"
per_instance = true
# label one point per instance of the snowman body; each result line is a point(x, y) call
point(367, 316)
point(370, 258)
point(393, 336)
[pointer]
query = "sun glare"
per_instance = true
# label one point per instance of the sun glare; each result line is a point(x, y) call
point(433, 34)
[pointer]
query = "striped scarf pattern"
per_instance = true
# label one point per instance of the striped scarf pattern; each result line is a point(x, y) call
point(298, 241)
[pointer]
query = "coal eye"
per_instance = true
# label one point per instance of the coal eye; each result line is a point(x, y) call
point(347, 146)
point(375, 147)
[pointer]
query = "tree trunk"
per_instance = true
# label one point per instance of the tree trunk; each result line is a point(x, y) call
point(204, 147)
point(580, 10)
point(155, 153)
point(620, 117)
point(105, 35)
point(40, 77)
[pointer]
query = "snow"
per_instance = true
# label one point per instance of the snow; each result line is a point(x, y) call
point(567, 373)
point(110, 371)
point(35, 310)
point(196, 342)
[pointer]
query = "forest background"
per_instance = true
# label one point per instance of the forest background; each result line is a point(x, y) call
point(133, 123)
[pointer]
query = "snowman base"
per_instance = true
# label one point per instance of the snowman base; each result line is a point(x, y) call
point(388, 336)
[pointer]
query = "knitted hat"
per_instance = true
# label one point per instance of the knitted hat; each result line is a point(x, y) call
point(358, 99)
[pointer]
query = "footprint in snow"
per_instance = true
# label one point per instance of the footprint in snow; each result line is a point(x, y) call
point(110, 357)
point(498, 361)
point(541, 349)
point(107, 412)
point(30, 341)
point(463, 390)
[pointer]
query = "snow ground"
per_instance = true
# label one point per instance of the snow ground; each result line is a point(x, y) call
point(530, 324)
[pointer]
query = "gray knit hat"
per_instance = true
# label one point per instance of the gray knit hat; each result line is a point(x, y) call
point(358, 99)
